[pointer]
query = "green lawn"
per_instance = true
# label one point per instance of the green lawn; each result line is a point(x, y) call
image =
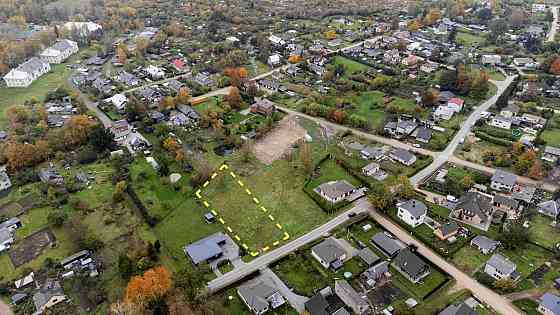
point(552, 137)
point(528, 306)
point(210, 104)
point(351, 65)
point(331, 171)
point(542, 233)
point(299, 271)
point(468, 39)
point(469, 259)
point(528, 259)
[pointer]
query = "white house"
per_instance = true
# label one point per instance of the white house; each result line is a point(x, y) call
point(538, 7)
point(276, 40)
point(491, 59)
point(84, 28)
point(335, 191)
point(274, 60)
point(59, 52)
point(118, 100)
point(443, 113)
point(501, 122)
point(5, 182)
point(26, 73)
point(499, 267)
point(370, 169)
point(154, 72)
point(412, 212)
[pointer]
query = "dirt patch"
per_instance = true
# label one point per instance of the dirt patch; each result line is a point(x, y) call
point(281, 139)
point(11, 209)
point(32, 246)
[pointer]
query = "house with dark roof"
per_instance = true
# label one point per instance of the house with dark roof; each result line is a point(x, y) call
point(325, 302)
point(127, 78)
point(48, 295)
point(500, 267)
point(423, 135)
point(412, 212)
point(368, 256)
point(503, 181)
point(206, 249)
point(351, 298)
point(458, 309)
point(447, 230)
point(335, 191)
point(551, 154)
point(51, 176)
point(263, 106)
point(473, 208)
point(484, 244)
point(329, 253)
point(403, 156)
point(374, 273)
point(550, 208)
point(549, 304)
point(387, 245)
point(410, 265)
point(260, 296)
point(508, 205)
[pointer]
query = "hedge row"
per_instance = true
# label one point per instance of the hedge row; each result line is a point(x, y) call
point(494, 140)
point(152, 221)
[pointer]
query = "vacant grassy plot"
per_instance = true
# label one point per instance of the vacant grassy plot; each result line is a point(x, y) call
point(542, 233)
point(468, 39)
point(301, 272)
point(159, 198)
point(552, 137)
point(351, 65)
point(528, 259)
point(211, 104)
point(528, 306)
point(469, 259)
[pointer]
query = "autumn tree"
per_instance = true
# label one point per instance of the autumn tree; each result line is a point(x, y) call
point(306, 157)
point(234, 98)
point(142, 45)
point(518, 18)
point(433, 16)
point(330, 35)
point(338, 116)
point(242, 72)
point(430, 97)
point(414, 25)
point(293, 59)
point(20, 155)
point(183, 97)
point(404, 188)
point(17, 114)
point(122, 53)
point(536, 171)
point(78, 130)
point(555, 66)
point(152, 285)
point(167, 103)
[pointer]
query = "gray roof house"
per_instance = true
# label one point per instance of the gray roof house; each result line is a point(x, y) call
point(551, 154)
point(499, 267)
point(503, 181)
point(368, 256)
point(325, 302)
point(329, 253)
point(335, 191)
point(474, 208)
point(549, 304)
point(50, 175)
point(350, 297)
point(484, 244)
point(423, 135)
point(387, 245)
point(260, 296)
point(206, 249)
point(403, 156)
point(549, 208)
point(372, 274)
point(410, 265)
point(458, 309)
point(48, 295)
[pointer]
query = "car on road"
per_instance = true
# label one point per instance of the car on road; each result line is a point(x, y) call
point(351, 214)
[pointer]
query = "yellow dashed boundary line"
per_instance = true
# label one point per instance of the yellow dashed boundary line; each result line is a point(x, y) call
point(228, 228)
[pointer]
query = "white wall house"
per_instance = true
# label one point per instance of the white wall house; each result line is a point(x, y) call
point(26, 73)
point(538, 7)
point(501, 122)
point(59, 52)
point(412, 212)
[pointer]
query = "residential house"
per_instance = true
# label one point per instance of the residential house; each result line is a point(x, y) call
point(473, 207)
point(274, 60)
point(25, 281)
point(7, 231)
point(127, 79)
point(491, 59)
point(154, 72)
point(401, 128)
point(443, 112)
point(410, 61)
point(412, 212)
point(372, 153)
point(501, 122)
point(370, 169)
point(189, 112)
point(392, 57)
point(175, 85)
point(59, 52)
point(499, 267)
point(263, 106)
point(447, 231)
point(367, 256)
point(83, 28)
point(445, 96)
point(387, 245)
point(203, 80)
point(423, 135)
point(48, 295)
point(118, 101)
point(318, 70)
point(429, 67)
point(458, 309)
point(535, 31)
point(272, 85)
point(535, 121)
point(335, 191)
point(180, 65)
point(325, 302)
point(102, 86)
point(374, 273)
point(5, 182)
point(329, 253)
point(260, 296)
point(276, 40)
point(455, 104)
point(403, 156)
point(351, 298)
point(484, 244)
point(551, 154)
point(538, 7)
point(503, 181)
point(120, 129)
point(51, 176)
point(26, 73)
point(333, 43)
point(510, 110)
point(521, 62)
point(549, 304)
point(550, 208)
point(410, 265)
point(206, 249)
point(508, 205)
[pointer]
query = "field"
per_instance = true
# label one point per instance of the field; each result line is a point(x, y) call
point(351, 65)
point(542, 233)
point(468, 39)
point(552, 137)
point(528, 306)
point(328, 171)
point(469, 259)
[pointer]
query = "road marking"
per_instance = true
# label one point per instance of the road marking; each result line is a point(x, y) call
point(214, 212)
point(198, 194)
point(232, 174)
point(214, 175)
point(256, 200)
point(266, 248)
point(248, 191)
point(223, 167)
point(229, 229)
point(286, 236)
point(237, 237)
point(278, 226)
point(222, 221)
point(271, 217)
point(240, 183)
point(254, 254)
point(206, 204)
point(275, 243)
point(263, 209)
point(206, 184)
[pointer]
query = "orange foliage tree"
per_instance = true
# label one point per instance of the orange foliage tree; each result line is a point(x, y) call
point(555, 66)
point(294, 59)
point(153, 284)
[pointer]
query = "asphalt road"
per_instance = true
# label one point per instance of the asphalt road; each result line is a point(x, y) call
point(440, 158)
point(5, 309)
point(262, 262)
point(498, 302)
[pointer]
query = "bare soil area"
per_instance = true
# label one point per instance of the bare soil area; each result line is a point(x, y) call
point(281, 139)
